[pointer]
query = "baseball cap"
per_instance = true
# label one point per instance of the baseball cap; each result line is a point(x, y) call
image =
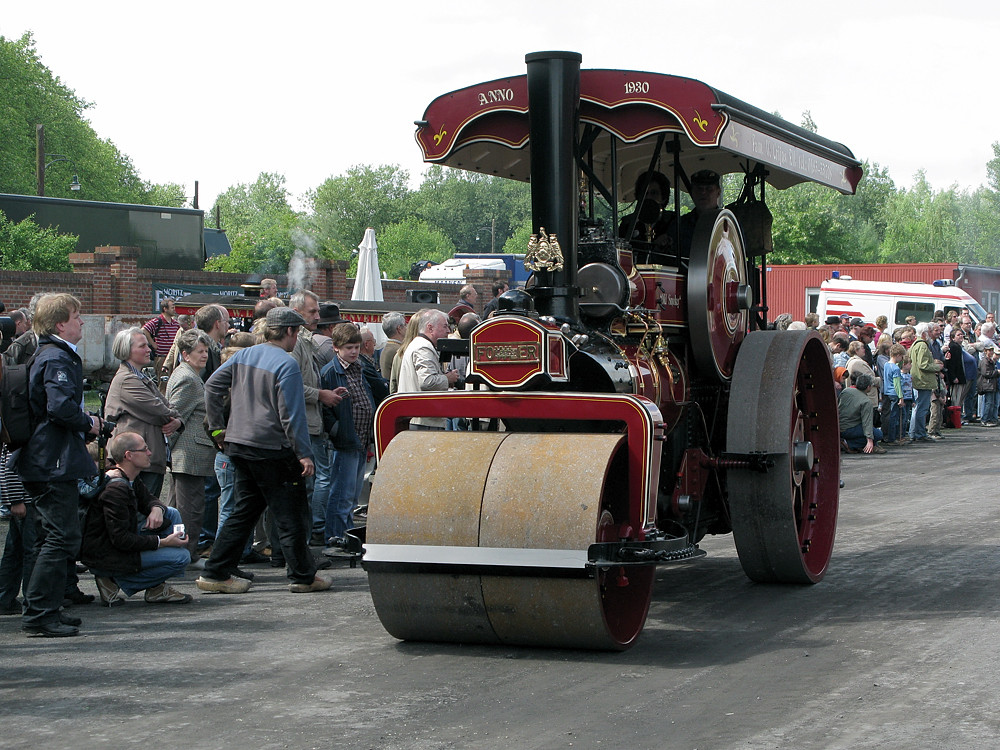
point(857, 322)
point(279, 317)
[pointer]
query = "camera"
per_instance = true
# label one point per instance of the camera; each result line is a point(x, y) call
point(107, 429)
point(179, 529)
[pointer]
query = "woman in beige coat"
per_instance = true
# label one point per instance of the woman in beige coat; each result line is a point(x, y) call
point(137, 405)
point(192, 453)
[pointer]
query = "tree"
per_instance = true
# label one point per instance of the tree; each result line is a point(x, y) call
point(260, 225)
point(25, 246)
point(168, 194)
point(402, 244)
point(518, 242)
point(468, 207)
point(31, 95)
point(344, 206)
point(922, 227)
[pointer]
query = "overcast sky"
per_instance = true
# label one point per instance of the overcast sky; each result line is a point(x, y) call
point(220, 91)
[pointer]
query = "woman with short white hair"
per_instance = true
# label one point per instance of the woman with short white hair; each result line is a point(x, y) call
point(136, 404)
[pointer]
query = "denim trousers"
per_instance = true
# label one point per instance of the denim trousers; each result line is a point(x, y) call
point(855, 437)
point(921, 407)
point(989, 411)
point(969, 407)
point(157, 565)
point(890, 417)
point(323, 454)
point(226, 477)
point(18, 557)
point(348, 474)
point(57, 544)
point(278, 485)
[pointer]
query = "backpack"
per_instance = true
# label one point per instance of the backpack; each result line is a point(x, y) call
point(17, 423)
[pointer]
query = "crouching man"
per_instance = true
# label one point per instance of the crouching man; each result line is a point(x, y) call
point(857, 430)
point(129, 542)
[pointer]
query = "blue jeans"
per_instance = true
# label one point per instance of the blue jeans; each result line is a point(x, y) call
point(323, 454)
point(348, 474)
point(890, 416)
point(855, 437)
point(921, 408)
point(971, 401)
point(57, 543)
point(157, 565)
point(227, 480)
point(989, 412)
point(18, 557)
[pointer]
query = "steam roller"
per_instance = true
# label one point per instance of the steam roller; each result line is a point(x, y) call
point(468, 491)
point(631, 399)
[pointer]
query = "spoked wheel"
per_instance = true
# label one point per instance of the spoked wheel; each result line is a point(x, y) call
point(783, 404)
point(466, 497)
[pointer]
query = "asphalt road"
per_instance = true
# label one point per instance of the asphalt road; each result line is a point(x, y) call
point(896, 648)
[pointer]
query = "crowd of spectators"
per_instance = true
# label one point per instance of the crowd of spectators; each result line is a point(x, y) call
point(222, 448)
point(904, 386)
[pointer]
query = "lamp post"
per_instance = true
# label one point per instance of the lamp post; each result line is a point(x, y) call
point(44, 161)
point(492, 229)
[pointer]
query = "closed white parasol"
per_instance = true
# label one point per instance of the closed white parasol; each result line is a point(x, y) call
point(368, 283)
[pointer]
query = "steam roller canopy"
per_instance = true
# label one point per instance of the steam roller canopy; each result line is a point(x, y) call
point(503, 496)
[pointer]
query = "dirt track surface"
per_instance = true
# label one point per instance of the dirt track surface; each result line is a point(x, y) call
point(896, 648)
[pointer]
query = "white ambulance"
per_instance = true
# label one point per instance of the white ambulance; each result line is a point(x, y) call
point(896, 300)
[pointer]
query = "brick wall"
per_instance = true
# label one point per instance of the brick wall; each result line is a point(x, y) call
point(108, 281)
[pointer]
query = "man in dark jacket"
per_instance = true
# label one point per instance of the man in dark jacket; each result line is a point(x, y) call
point(128, 552)
point(54, 459)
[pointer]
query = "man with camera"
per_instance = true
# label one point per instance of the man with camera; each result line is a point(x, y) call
point(132, 542)
point(54, 459)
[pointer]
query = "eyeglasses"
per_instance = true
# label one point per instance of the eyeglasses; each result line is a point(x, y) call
point(143, 449)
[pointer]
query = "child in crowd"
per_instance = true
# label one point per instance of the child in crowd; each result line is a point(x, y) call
point(892, 394)
point(907, 380)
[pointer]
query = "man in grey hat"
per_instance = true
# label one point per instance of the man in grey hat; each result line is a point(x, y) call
point(267, 438)
point(306, 303)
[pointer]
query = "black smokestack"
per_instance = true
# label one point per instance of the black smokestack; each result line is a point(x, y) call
point(553, 113)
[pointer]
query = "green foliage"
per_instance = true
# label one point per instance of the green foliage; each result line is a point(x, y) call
point(478, 212)
point(402, 244)
point(921, 225)
point(344, 206)
point(31, 95)
point(169, 194)
point(25, 246)
point(261, 226)
point(518, 242)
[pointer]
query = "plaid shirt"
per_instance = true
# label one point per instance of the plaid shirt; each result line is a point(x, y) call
point(361, 407)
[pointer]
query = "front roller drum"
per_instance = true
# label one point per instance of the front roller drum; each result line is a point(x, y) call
point(496, 491)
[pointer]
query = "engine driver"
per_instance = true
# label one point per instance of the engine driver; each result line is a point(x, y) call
point(653, 225)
